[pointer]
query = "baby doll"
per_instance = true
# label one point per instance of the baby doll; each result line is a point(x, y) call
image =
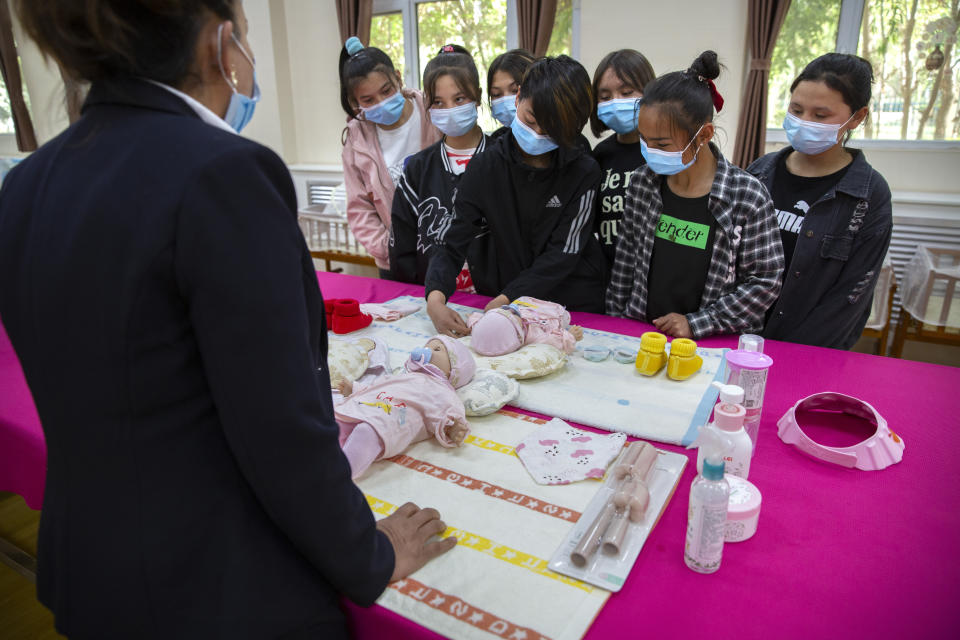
point(382, 418)
point(524, 321)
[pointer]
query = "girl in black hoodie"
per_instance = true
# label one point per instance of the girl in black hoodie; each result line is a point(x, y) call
point(524, 209)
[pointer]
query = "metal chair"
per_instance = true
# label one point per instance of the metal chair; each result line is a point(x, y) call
point(928, 291)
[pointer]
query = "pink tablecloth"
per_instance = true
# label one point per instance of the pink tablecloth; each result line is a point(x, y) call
point(838, 553)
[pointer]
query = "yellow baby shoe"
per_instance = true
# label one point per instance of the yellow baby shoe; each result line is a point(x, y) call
point(684, 361)
point(652, 355)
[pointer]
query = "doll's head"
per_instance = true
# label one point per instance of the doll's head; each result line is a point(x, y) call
point(451, 357)
point(496, 332)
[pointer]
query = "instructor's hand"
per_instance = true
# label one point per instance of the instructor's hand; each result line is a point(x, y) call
point(447, 321)
point(409, 530)
point(497, 302)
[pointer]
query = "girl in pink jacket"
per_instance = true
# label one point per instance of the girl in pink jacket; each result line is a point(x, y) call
point(386, 124)
point(524, 321)
point(380, 419)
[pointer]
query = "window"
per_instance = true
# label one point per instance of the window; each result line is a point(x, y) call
point(412, 31)
point(912, 45)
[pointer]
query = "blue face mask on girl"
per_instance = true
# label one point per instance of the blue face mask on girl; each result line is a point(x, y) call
point(619, 114)
point(530, 141)
point(811, 138)
point(456, 121)
point(505, 109)
point(386, 112)
point(668, 163)
point(240, 109)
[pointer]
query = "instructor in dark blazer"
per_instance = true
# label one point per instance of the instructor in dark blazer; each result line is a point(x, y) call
point(163, 303)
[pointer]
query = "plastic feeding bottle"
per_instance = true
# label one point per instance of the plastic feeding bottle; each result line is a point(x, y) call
point(747, 367)
point(729, 415)
point(709, 497)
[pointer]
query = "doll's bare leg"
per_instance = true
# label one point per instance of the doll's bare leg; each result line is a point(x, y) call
point(362, 448)
point(457, 432)
point(576, 331)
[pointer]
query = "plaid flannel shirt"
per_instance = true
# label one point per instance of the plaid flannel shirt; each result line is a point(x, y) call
point(746, 267)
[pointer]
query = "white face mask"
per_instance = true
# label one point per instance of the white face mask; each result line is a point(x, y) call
point(809, 137)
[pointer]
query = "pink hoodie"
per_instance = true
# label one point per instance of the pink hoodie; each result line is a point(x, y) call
point(368, 183)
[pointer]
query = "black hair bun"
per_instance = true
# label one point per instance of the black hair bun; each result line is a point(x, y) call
point(706, 65)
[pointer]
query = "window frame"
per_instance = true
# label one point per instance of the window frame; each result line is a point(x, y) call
point(411, 37)
point(848, 41)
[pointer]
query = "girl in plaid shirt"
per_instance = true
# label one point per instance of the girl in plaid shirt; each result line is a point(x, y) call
point(699, 251)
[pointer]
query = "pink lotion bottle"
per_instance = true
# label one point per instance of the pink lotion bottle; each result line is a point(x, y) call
point(728, 416)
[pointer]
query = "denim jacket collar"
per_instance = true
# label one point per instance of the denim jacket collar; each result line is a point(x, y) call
point(855, 182)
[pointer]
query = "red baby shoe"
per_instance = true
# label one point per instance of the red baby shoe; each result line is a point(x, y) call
point(347, 316)
point(328, 310)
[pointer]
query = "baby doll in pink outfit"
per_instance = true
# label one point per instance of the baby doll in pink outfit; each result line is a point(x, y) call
point(524, 321)
point(380, 419)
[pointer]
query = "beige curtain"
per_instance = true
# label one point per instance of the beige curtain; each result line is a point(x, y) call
point(765, 18)
point(10, 67)
point(354, 18)
point(535, 22)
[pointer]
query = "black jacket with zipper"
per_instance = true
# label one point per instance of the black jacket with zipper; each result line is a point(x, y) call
point(828, 285)
point(422, 208)
point(529, 231)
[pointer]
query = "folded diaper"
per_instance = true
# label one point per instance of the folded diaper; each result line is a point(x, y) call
point(557, 453)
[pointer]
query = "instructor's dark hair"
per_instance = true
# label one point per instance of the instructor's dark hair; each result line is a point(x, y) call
point(850, 75)
point(356, 67)
point(514, 62)
point(561, 97)
point(684, 97)
point(456, 62)
point(93, 40)
point(632, 67)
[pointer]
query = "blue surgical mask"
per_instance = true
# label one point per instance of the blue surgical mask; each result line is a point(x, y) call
point(456, 121)
point(421, 355)
point(620, 114)
point(386, 112)
point(667, 163)
point(811, 138)
point(530, 141)
point(505, 109)
point(241, 107)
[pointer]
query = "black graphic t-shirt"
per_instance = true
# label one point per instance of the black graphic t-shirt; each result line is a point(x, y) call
point(617, 161)
point(793, 196)
point(682, 249)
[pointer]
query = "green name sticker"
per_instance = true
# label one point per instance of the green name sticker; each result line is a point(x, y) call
point(690, 234)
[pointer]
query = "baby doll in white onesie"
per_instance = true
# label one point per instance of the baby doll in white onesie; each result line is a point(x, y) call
point(381, 418)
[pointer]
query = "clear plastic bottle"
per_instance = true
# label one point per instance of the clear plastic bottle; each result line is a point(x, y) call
point(709, 496)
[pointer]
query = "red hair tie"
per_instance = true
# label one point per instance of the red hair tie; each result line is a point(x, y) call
point(717, 98)
point(447, 48)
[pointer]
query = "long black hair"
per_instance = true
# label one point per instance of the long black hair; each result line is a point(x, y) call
point(357, 66)
point(685, 97)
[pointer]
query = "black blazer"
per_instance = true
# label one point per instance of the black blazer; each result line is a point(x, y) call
point(164, 306)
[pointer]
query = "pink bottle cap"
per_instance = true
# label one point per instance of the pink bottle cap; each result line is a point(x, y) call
point(749, 359)
point(729, 417)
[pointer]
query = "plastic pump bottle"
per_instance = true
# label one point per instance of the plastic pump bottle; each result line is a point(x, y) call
point(729, 416)
point(709, 496)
